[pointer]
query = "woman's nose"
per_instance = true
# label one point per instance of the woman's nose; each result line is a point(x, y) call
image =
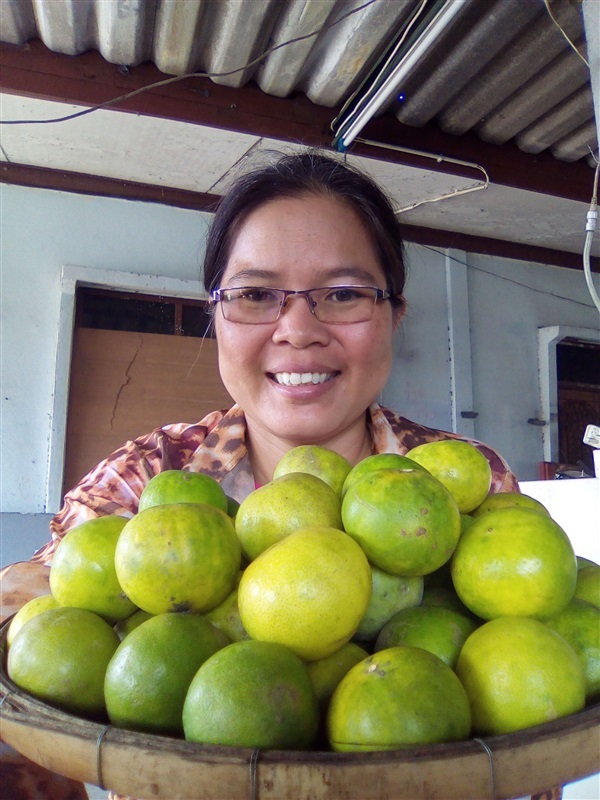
point(298, 325)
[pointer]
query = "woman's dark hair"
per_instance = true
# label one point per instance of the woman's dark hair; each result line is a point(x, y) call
point(305, 174)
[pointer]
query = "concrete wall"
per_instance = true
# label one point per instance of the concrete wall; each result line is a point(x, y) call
point(486, 350)
point(468, 339)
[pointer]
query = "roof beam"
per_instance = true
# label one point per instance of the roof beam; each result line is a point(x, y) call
point(33, 70)
point(78, 183)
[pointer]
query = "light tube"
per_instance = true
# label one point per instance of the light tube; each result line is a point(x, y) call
point(411, 57)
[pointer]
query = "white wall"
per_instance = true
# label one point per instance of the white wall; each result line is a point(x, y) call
point(42, 231)
point(575, 505)
point(418, 385)
point(508, 301)
point(497, 324)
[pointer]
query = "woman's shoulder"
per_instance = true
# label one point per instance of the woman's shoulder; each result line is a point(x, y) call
point(407, 435)
point(213, 445)
point(173, 445)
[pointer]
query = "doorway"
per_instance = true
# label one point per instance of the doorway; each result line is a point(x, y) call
point(578, 391)
point(138, 362)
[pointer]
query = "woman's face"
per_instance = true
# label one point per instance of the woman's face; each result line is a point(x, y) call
point(304, 243)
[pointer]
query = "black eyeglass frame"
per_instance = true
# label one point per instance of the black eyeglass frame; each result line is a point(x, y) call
point(215, 297)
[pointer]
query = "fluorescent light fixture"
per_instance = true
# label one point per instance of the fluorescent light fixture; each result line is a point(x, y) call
point(394, 80)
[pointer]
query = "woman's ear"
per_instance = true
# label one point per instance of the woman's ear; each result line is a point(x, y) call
point(398, 311)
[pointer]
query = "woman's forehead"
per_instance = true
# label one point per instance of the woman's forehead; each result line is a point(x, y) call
point(317, 229)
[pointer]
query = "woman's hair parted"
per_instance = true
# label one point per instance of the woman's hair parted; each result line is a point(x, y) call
point(310, 173)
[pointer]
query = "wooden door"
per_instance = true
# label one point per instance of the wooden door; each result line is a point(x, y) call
point(126, 383)
point(578, 407)
point(578, 374)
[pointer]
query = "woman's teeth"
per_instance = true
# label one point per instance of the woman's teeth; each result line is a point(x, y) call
point(297, 378)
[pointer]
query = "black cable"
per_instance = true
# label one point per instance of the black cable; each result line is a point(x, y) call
point(502, 278)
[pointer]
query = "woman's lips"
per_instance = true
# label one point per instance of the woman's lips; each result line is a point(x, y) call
point(300, 378)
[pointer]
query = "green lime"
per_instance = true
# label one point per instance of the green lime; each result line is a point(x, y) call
point(179, 486)
point(252, 694)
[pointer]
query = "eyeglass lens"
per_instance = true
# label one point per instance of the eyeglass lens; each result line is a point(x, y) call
point(342, 304)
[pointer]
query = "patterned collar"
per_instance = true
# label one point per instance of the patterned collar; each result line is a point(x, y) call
point(223, 453)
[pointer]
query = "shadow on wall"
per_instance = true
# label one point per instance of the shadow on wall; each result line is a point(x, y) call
point(21, 535)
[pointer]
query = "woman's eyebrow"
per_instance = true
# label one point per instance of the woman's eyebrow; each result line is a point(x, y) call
point(352, 273)
point(251, 276)
point(254, 275)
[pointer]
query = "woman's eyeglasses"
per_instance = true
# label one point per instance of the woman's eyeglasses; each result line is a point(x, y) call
point(257, 305)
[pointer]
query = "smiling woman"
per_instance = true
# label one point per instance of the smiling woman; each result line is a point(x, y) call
point(313, 240)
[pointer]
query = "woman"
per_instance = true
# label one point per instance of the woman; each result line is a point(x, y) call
point(304, 267)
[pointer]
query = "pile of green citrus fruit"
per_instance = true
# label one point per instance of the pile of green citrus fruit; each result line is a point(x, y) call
point(392, 603)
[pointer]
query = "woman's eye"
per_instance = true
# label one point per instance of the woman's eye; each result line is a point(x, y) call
point(343, 295)
point(258, 296)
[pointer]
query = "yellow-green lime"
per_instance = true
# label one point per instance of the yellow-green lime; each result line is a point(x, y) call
point(395, 698)
point(180, 486)
point(226, 616)
point(446, 597)
point(327, 672)
point(83, 569)
point(466, 520)
point(587, 586)
point(180, 557)
point(376, 462)
point(32, 607)
point(460, 466)
point(232, 506)
point(438, 630)
point(282, 506)
point(514, 562)
point(406, 521)
point(252, 694)
point(308, 592)
point(390, 594)
point(125, 626)
point(149, 674)
point(579, 624)
point(322, 462)
point(508, 500)
point(517, 673)
point(61, 656)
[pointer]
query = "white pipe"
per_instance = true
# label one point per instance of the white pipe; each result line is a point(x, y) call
point(398, 74)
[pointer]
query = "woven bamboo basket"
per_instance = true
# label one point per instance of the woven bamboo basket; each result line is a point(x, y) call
point(148, 766)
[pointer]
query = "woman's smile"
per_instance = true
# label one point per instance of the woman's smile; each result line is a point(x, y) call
point(302, 378)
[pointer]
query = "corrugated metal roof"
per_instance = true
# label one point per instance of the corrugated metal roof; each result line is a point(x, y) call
point(502, 68)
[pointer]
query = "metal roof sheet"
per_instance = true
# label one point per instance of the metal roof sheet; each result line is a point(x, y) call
point(502, 69)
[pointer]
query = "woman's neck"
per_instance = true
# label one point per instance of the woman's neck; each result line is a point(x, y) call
point(266, 450)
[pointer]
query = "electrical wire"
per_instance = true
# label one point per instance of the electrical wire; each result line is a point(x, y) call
point(590, 227)
point(502, 277)
point(564, 33)
point(175, 79)
point(439, 159)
